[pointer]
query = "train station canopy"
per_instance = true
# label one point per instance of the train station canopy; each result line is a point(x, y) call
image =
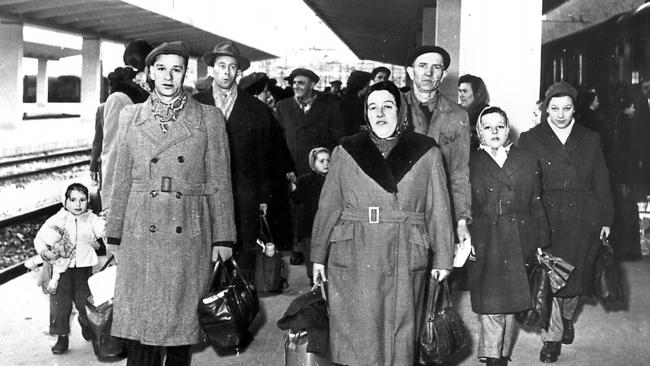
point(48, 52)
point(380, 30)
point(116, 21)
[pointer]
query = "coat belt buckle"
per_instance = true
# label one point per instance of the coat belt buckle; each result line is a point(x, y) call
point(373, 215)
point(500, 206)
point(166, 184)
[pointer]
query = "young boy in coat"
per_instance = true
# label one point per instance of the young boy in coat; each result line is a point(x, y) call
point(306, 193)
point(509, 224)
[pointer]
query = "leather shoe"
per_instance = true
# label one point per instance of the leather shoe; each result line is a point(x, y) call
point(550, 352)
point(504, 360)
point(85, 333)
point(61, 345)
point(490, 361)
point(569, 331)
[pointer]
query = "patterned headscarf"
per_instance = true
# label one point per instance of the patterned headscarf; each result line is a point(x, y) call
point(166, 113)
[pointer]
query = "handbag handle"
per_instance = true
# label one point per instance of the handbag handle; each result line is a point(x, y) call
point(227, 273)
point(265, 226)
point(108, 262)
point(437, 290)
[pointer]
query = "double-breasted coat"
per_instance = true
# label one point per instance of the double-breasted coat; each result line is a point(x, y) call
point(321, 126)
point(576, 195)
point(172, 201)
point(378, 221)
point(509, 224)
point(248, 136)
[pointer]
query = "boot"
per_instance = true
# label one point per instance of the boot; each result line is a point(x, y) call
point(550, 352)
point(569, 331)
point(61, 345)
point(86, 334)
point(178, 356)
point(490, 361)
point(504, 360)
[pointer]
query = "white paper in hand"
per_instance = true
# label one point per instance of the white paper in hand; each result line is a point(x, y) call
point(461, 253)
point(102, 285)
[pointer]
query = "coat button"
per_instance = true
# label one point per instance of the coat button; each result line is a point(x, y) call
point(491, 189)
point(153, 228)
point(513, 220)
point(181, 159)
point(154, 160)
point(179, 229)
point(179, 195)
point(153, 193)
point(510, 188)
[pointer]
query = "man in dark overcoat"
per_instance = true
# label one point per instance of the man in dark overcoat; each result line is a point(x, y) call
point(578, 202)
point(247, 124)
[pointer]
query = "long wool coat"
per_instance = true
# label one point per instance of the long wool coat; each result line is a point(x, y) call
point(248, 136)
point(172, 201)
point(321, 126)
point(576, 195)
point(377, 271)
point(509, 224)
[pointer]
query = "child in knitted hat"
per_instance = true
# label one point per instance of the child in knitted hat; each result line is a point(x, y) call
point(306, 193)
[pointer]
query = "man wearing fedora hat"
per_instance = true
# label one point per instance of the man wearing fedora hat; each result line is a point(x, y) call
point(247, 124)
point(437, 116)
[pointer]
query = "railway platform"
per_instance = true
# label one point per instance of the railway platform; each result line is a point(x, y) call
point(37, 135)
point(602, 338)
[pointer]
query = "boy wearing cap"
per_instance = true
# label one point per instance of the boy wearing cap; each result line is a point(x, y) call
point(171, 213)
point(435, 115)
point(247, 123)
point(578, 203)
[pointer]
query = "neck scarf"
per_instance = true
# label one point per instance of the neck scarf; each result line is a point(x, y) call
point(499, 155)
point(306, 103)
point(384, 145)
point(166, 113)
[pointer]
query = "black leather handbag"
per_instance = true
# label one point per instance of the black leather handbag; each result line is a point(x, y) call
point(228, 307)
point(540, 293)
point(607, 280)
point(443, 333)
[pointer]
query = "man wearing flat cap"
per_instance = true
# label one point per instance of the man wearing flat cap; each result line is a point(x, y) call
point(171, 206)
point(309, 120)
point(435, 115)
point(247, 123)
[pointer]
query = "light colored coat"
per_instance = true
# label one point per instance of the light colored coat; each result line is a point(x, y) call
point(166, 237)
point(377, 271)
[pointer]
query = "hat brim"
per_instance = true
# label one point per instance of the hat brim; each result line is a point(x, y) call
point(242, 62)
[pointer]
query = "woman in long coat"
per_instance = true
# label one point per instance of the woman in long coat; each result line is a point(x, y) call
point(578, 202)
point(384, 209)
point(171, 212)
point(509, 224)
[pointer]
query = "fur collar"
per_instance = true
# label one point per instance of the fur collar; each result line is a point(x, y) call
point(390, 171)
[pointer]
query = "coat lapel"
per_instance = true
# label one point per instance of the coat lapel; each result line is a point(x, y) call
point(235, 120)
point(179, 131)
point(552, 142)
point(390, 171)
point(147, 123)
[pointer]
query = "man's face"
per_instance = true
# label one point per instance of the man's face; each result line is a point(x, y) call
point(381, 76)
point(224, 70)
point(427, 72)
point(168, 73)
point(646, 89)
point(302, 86)
point(465, 95)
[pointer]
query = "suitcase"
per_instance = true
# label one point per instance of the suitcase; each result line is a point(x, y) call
point(295, 352)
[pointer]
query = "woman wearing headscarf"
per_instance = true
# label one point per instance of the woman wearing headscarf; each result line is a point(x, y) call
point(509, 224)
point(383, 220)
point(171, 213)
point(578, 203)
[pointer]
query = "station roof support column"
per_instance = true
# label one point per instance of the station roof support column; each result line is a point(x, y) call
point(501, 43)
point(445, 27)
point(201, 69)
point(41, 82)
point(91, 72)
point(11, 72)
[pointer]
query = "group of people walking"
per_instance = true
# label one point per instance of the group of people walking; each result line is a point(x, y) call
point(189, 176)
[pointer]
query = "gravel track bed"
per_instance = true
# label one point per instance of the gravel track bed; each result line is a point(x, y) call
point(41, 164)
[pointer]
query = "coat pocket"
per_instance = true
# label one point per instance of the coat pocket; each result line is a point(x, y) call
point(418, 250)
point(342, 246)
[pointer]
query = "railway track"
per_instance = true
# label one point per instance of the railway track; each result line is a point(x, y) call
point(10, 166)
point(44, 156)
point(18, 269)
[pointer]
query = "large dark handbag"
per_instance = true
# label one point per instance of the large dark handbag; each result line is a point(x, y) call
point(607, 280)
point(268, 262)
point(540, 293)
point(228, 307)
point(443, 333)
point(100, 320)
point(307, 312)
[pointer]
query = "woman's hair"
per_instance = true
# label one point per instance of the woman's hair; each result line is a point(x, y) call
point(314, 153)
point(120, 75)
point(478, 88)
point(76, 187)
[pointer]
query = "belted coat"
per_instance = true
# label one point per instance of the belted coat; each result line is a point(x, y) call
point(381, 225)
point(576, 195)
point(509, 224)
point(172, 200)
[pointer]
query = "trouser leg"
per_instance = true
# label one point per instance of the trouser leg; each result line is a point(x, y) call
point(61, 305)
point(81, 291)
point(561, 308)
point(178, 356)
point(246, 262)
point(143, 355)
point(508, 335)
point(491, 338)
